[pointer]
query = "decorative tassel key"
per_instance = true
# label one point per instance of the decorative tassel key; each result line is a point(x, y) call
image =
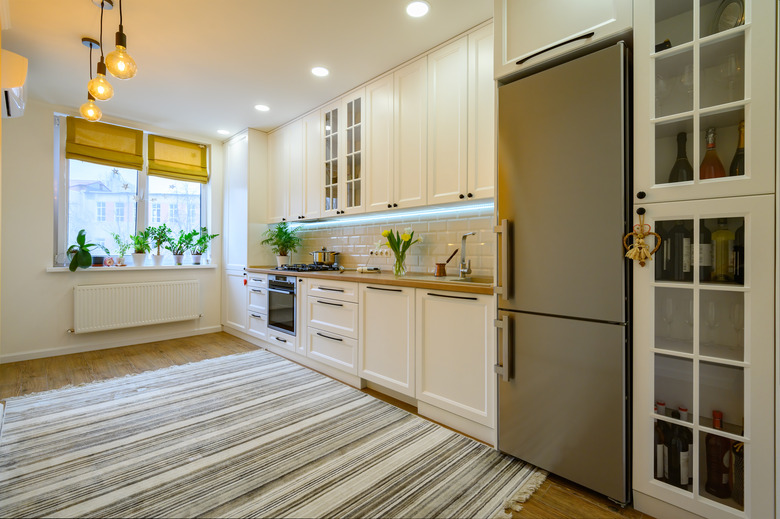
point(639, 250)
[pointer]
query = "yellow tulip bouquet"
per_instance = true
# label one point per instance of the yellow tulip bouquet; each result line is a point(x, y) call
point(399, 244)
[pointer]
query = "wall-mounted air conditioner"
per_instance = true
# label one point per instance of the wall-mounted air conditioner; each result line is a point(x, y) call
point(13, 73)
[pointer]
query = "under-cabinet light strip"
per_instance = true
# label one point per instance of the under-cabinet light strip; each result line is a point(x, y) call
point(351, 220)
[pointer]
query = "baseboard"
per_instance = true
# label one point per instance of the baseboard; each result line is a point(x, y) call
point(458, 423)
point(55, 352)
point(657, 508)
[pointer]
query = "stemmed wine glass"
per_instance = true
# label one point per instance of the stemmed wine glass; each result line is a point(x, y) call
point(737, 317)
point(668, 315)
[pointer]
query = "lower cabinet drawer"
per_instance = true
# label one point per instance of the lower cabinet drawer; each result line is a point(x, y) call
point(281, 340)
point(258, 300)
point(333, 316)
point(332, 349)
point(258, 325)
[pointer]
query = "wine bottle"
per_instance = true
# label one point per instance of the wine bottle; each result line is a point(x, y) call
point(738, 472)
point(679, 250)
point(658, 453)
point(718, 456)
point(711, 166)
point(722, 252)
point(677, 456)
point(681, 169)
point(705, 252)
point(739, 255)
point(737, 166)
point(687, 436)
point(662, 256)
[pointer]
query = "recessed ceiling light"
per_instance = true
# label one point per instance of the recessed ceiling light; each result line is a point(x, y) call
point(320, 71)
point(223, 132)
point(261, 108)
point(417, 9)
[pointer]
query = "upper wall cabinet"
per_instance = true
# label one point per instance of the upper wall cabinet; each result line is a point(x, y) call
point(305, 179)
point(461, 94)
point(531, 31)
point(396, 138)
point(278, 175)
point(704, 80)
point(342, 140)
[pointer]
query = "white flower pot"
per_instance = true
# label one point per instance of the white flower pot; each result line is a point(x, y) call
point(196, 259)
point(282, 260)
point(157, 259)
point(139, 259)
point(178, 259)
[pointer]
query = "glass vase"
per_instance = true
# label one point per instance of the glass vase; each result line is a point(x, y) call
point(399, 267)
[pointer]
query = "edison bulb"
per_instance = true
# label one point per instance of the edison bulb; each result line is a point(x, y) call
point(90, 110)
point(120, 64)
point(99, 86)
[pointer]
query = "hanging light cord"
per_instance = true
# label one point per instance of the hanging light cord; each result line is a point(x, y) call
point(90, 61)
point(120, 12)
point(102, 4)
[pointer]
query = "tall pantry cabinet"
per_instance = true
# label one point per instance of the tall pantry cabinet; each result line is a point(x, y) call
point(704, 307)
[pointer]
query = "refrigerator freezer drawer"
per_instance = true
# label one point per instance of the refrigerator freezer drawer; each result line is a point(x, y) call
point(564, 406)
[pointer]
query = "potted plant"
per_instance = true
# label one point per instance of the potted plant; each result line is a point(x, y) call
point(283, 239)
point(181, 244)
point(158, 236)
point(122, 248)
point(141, 247)
point(80, 252)
point(201, 244)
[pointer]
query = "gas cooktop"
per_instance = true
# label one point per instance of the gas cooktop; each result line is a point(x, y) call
point(312, 267)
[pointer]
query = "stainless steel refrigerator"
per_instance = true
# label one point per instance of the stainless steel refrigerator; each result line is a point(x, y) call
point(563, 284)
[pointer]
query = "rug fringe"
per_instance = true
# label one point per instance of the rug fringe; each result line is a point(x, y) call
point(523, 493)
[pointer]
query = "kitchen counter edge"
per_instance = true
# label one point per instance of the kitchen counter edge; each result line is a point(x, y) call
point(412, 280)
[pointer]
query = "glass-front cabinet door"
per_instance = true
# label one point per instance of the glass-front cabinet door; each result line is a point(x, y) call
point(704, 358)
point(343, 153)
point(704, 98)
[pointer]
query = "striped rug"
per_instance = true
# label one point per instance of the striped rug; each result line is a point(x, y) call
point(248, 435)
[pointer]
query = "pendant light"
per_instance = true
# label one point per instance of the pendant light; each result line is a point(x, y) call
point(90, 110)
point(99, 86)
point(119, 62)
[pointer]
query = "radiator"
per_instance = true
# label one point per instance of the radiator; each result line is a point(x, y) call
point(108, 307)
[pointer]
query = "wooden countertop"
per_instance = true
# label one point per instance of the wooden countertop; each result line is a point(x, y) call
point(477, 285)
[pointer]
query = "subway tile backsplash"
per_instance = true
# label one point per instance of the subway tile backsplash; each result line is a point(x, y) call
point(441, 235)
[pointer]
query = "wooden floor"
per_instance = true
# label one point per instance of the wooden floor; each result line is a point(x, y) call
point(556, 499)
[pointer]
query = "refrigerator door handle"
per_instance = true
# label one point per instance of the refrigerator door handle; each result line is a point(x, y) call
point(503, 231)
point(502, 368)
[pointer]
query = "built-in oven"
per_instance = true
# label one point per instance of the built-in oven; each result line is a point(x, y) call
point(281, 303)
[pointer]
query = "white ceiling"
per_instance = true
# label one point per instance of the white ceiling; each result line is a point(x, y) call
point(204, 64)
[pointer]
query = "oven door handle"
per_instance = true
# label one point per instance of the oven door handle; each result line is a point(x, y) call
point(287, 292)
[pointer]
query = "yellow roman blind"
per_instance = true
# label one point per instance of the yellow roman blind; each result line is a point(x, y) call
point(105, 144)
point(178, 160)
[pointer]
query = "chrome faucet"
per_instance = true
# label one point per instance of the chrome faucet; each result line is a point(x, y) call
point(465, 268)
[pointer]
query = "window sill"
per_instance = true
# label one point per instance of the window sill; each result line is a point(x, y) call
point(125, 269)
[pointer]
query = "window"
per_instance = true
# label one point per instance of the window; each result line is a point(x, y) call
point(119, 211)
point(105, 198)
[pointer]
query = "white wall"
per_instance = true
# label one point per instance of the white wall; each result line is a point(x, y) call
point(37, 306)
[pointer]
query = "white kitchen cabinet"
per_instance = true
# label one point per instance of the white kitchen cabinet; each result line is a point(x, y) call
point(311, 191)
point(335, 316)
point(703, 80)
point(234, 300)
point(343, 190)
point(293, 138)
point(538, 31)
point(461, 115)
point(396, 139)
point(703, 340)
point(331, 324)
point(387, 337)
point(455, 353)
point(278, 179)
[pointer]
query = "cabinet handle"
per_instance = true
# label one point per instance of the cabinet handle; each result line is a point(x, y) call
point(257, 316)
point(331, 289)
point(502, 368)
point(386, 289)
point(640, 211)
point(452, 297)
point(581, 37)
point(461, 196)
point(641, 195)
point(258, 280)
point(329, 303)
point(469, 195)
point(389, 206)
point(256, 290)
point(284, 219)
point(331, 338)
point(395, 205)
point(281, 340)
point(503, 231)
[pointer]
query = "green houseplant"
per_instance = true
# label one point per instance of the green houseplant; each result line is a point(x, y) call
point(122, 248)
point(141, 247)
point(80, 252)
point(158, 236)
point(180, 244)
point(283, 240)
point(201, 244)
